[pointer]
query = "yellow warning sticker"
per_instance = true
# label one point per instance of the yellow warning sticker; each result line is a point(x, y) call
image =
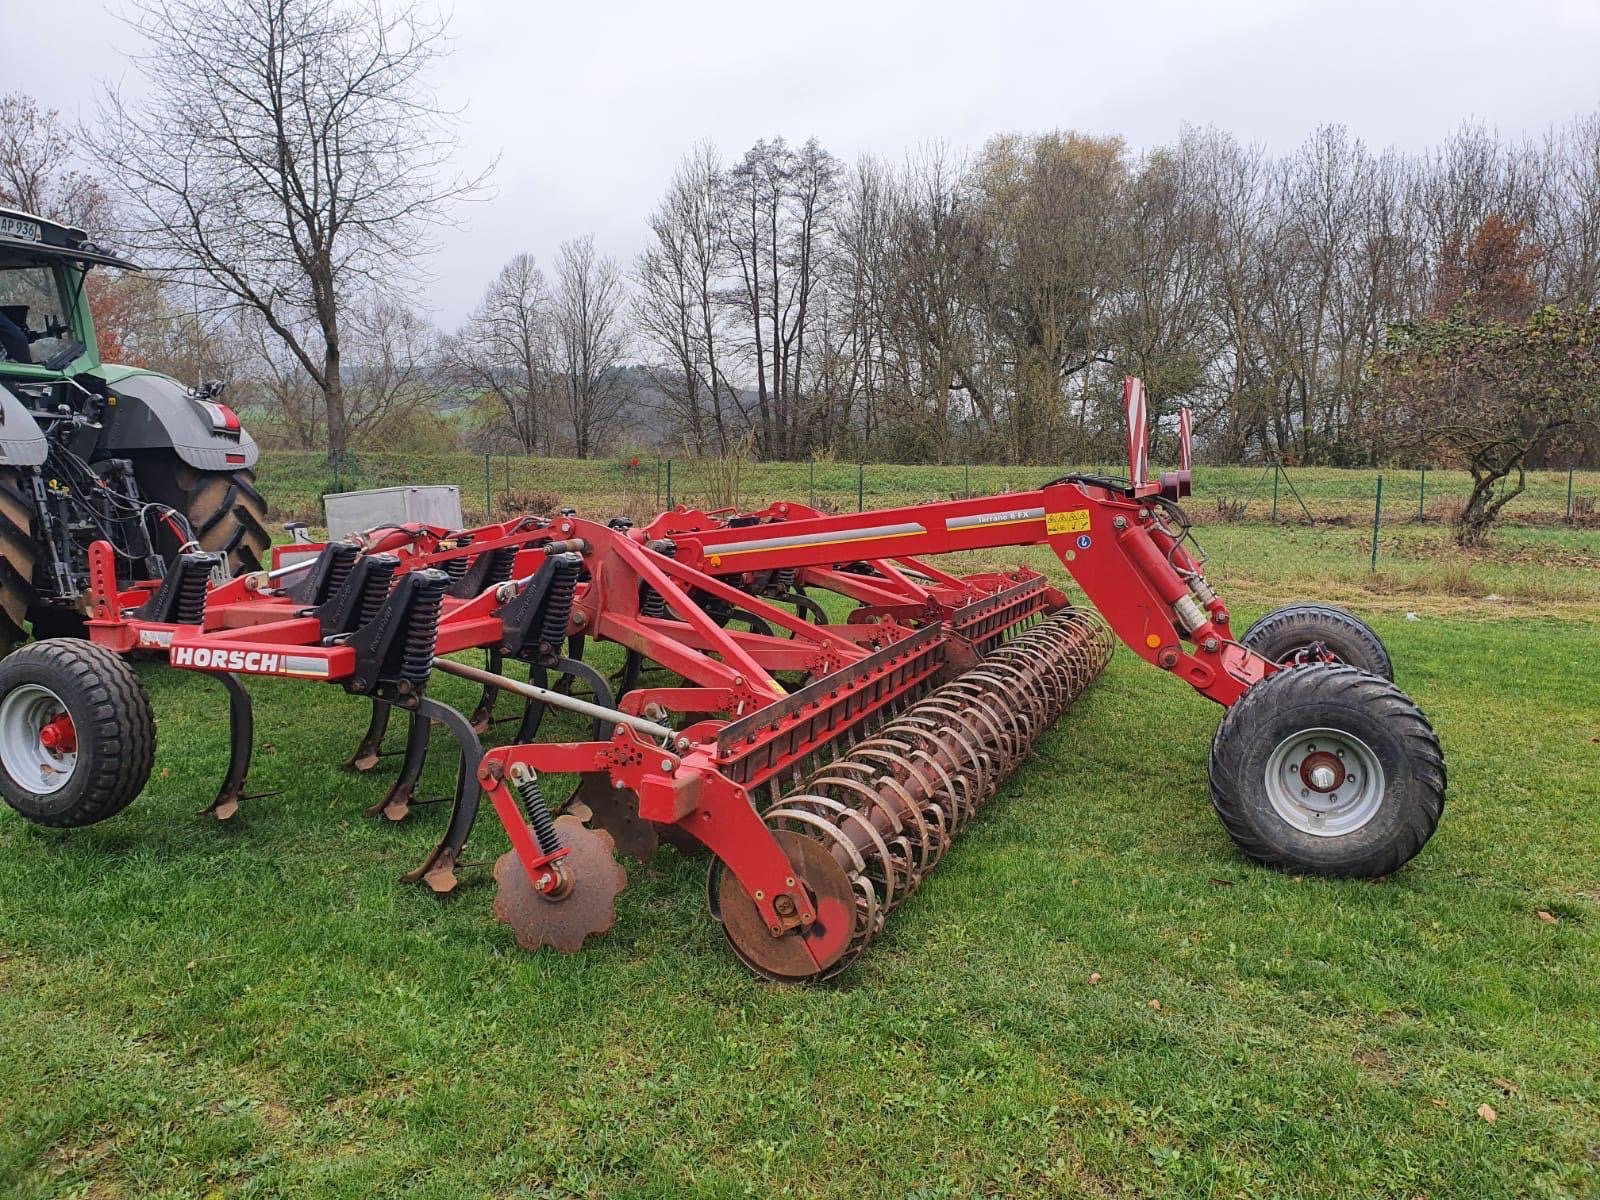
point(1075, 521)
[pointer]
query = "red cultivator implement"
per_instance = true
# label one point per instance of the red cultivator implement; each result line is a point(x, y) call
point(870, 742)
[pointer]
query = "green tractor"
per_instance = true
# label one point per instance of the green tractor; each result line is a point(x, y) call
point(91, 451)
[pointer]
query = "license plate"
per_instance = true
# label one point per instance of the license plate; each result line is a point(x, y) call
point(23, 231)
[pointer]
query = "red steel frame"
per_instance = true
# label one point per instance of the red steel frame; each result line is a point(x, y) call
point(747, 728)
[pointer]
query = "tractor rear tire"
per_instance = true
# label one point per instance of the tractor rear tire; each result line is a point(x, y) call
point(1286, 632)
point(19, 553)
point(225, 512)
point(1327, 770)
point(91, 695)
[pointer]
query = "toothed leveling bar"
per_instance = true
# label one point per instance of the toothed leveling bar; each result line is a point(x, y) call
point(826, 765)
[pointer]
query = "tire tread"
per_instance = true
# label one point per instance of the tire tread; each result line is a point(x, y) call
point(1296, 625)
point(1348, 685)
point(121, 726)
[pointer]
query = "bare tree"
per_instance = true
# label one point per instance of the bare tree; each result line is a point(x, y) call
point(290, 397)
point(930, 327)
point(37, 167)
point(677, 312)
point(591, 339)
point(391, 370)
point(507, 350)
point(291, 155)
point(392, 366)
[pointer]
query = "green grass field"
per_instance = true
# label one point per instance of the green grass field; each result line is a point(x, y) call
point(260, 1009)
point(296, 481)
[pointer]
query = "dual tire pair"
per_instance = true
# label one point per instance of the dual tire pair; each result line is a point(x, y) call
point(1326, 767)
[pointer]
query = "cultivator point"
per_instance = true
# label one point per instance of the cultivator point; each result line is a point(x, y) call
point(827, 764)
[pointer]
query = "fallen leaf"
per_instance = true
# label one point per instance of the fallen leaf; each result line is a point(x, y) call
point(1506, 1086)
point(192, 964)
point(1222, 882)
point(1549, 918)
point(1156, 1004)
point(1488, 1113)
point(1094, 977)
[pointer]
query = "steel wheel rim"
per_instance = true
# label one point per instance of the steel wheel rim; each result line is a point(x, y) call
point(24, 713)
point(1297, 775)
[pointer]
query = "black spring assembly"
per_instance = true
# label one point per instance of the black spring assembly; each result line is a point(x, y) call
point(491, 568)
point(326, 575)
point(375, 586)
point(651, 603)
point(558, 601)
point(192, 590)
point(339, 565)
point(181, 598)
point(501, 562)
point(422, 625)
point(536, 811)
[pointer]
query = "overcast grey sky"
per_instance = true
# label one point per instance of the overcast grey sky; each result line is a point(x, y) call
point(590, 105)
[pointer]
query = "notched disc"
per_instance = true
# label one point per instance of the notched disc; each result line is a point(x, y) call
point(802, 953)
point(590, 907)
point(615, 810)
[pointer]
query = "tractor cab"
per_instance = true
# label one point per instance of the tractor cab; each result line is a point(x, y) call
point(99, 451)
point(46, 328)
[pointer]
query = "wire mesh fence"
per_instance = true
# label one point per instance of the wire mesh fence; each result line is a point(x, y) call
point(494, 486)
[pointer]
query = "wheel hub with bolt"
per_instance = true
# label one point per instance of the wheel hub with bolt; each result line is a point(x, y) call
point(1324, 782)
point(38, 742)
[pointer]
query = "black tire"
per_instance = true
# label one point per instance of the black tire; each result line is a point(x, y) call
point(1359, 715)
point(1286, 632)
point(19, 554)
point(225, 512)
point(111, 718)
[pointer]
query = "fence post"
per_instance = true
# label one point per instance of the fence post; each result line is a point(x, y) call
point(488, 488)
point(1277, 470)
point(1422, 494)
point(669, 483)
point(508, 472)
point(966, 481)
point(811, 497)
point(1569, 492)
point(658, 485)
point(1377, 522)
point(861, 487)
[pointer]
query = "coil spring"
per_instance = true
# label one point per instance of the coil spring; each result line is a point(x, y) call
point(422, 624)
point(783, 581)
point(375, 587)
point(501, 562)
point(651, 603)
point(191, 603)
point(456, 567)
point(558, 600)
point(537, 813)
point(342, 562)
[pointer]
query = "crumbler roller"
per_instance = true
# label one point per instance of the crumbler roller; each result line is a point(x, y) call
point(826, 764)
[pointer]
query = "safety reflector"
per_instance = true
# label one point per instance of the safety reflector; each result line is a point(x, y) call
point(223, 418)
